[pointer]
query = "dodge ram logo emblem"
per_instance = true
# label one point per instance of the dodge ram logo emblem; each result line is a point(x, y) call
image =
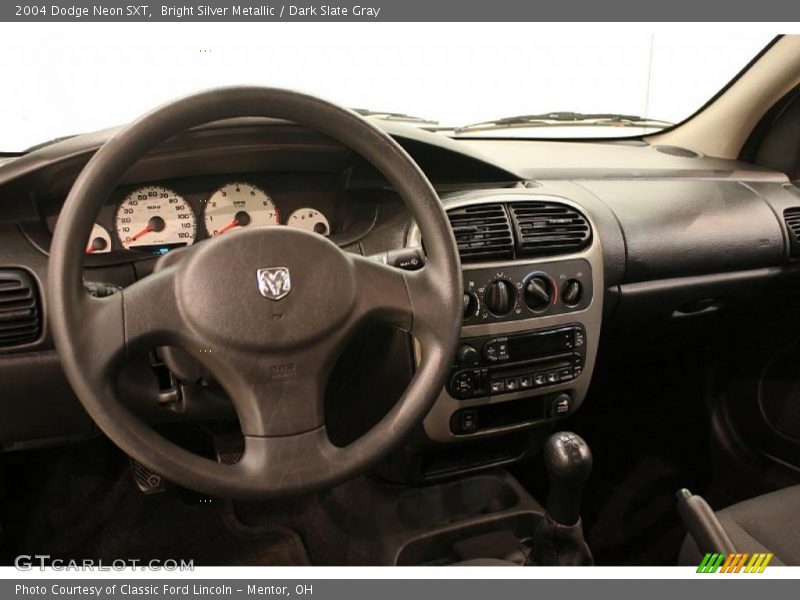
point(274, 283)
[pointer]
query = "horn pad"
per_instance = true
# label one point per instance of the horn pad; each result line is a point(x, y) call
point(266, 288)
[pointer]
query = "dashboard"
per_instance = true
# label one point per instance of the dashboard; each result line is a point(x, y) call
point(657, 237)
point(156, 217)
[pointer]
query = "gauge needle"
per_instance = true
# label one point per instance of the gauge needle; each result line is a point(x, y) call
point(155, 223)
point(241, 218)
point(98, 243)
point(230, 225)
point(147, 229)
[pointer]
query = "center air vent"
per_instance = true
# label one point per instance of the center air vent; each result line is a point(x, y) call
point(482, 232)
point(20, 318)
point(545, 228)
point(791, 216)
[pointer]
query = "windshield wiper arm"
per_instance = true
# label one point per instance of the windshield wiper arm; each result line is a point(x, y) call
point(565, 118)
point(393, 116)
point(49, 143)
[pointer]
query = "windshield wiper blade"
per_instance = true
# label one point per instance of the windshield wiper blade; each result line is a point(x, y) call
point(564, 119)
point(393, 116)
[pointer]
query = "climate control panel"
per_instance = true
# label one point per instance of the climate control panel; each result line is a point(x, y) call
point(521, 291)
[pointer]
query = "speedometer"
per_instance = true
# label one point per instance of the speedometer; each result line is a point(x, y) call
point(237, 205)
point(155, 219)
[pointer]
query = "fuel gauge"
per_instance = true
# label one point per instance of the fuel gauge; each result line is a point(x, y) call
point(309, 219)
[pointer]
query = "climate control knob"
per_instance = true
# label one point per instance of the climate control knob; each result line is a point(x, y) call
point(571, 293)
point(470, 305)
point(500, 297)
point(539, 292)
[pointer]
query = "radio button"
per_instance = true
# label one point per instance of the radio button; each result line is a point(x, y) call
point(502, 349)
point(539, 379)
point(569, 341)
point(496, 349)
point(552, 377)
point(481, 379)
point(498, 386)
point(464, 383)
point(526, 381)
point(512, 384)
point(565, 374)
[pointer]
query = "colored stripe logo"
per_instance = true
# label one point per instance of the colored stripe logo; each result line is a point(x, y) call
point(740, 562)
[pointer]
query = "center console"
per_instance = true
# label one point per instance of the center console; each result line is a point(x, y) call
point(533, 280)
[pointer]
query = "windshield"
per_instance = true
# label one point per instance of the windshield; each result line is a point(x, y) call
point(458, 79)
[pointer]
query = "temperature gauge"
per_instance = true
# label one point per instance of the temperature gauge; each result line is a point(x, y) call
point(99, 240)
point(309, 219)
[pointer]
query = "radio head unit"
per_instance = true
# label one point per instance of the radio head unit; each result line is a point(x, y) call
point(492, 365)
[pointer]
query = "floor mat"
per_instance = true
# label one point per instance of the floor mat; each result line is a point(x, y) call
point(174, 524)
point(111, 519)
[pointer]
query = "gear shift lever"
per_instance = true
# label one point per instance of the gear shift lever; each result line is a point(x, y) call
point(569, 464)
point(558, 539)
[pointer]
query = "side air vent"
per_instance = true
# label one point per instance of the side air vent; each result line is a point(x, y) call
point(791, 216)
point(482, 231)
point(20, 317)
point(545, 228)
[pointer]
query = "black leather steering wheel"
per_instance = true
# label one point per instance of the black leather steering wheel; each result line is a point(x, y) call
point(272, 356)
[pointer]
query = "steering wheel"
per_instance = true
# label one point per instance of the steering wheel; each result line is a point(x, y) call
point(265, 310)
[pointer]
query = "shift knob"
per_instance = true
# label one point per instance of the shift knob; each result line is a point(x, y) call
point(569, 463)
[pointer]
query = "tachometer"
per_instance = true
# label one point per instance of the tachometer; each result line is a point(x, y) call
point(99, 240)
point(239, 205)
point(309, 219)
point(155, 219)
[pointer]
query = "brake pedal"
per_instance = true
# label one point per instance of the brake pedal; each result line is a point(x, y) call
point(148, 482)
point(228, 447)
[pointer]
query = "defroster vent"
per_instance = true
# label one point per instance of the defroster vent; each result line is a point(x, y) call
point(20, 313)
point(545, 228)
point(482, 232)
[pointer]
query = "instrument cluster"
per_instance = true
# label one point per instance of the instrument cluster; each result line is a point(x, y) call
point(158, 218)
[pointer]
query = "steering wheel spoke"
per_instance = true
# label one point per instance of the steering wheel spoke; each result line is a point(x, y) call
point(405, 299)
point(275, 394)
point(151, 314)
point(294, 461)
point(383, 293)
point(100, 341)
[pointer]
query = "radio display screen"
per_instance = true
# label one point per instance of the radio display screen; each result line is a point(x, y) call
point(540, 344)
